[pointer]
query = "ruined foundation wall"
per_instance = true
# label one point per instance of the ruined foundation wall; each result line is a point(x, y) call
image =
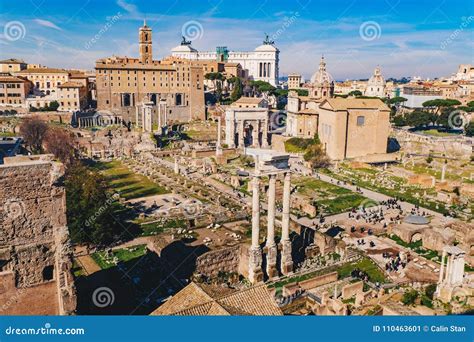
point(221, 260)
point(34, 242)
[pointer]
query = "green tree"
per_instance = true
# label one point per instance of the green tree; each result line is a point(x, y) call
point(89, 206)
point(396, 100)
point(33, 131)
point(355, 93)
point(430, 290)
point(469, 130)
point(410, 297)
point(237, 91)
point(436, 105)
point(53, 106)
point(420, 118)
point(262, 86)
point(316, 155)
point(301, 92)
point(399, 121)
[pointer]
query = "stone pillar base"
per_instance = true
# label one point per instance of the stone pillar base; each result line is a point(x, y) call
point(255, 265)
point(287, 268)
point(272, 271)
point(255, 276)
point(286, 259)
point(271, 251)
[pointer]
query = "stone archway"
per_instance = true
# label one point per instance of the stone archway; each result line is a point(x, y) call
point(416, 237)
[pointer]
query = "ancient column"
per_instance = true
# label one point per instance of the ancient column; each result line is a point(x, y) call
point(255, 134)
point(241, 134)
point(218, 145)
point(286, 259)
point(264, 134)
point(176, 166)
point(271, 245)
point(448, 270)
point(230, 128)
point(441, 270)
point(255, 254)
point(443, 172)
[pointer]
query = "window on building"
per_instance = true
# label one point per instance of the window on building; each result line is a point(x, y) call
point(126, 102)
point(179, 99)
point(360, 120)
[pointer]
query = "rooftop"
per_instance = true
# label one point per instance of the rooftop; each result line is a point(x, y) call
point(416, 219)
point(12, 61)
point(71, 84)
point(340, 103)
point(43, 71)
point(200, 299)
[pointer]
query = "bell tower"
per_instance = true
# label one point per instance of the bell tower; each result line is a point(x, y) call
point(145, 44)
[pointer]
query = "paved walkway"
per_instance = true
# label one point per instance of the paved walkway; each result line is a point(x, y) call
point(88, 264)
point(373, 195)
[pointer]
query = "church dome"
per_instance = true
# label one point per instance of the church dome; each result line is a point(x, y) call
point(321, 76)
point(377, 78)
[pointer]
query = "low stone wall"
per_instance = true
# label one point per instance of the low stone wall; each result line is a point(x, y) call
point(351, 290)
point(310, 283)
point(221, 260)
point(410, 141)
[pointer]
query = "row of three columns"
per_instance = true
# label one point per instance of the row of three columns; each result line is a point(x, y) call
point(255, 257)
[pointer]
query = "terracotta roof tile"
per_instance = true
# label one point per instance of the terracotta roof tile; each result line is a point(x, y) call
point(194, 300)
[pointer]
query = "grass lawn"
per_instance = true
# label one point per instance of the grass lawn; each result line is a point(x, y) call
point(436, 133)
point(366, 265)
point(77, 269)
point(411, 245)
point(331, 198)
point(157, 228)
point(123, 255)
point(128, 184)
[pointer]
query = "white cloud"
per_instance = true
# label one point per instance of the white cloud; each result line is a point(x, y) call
point(129, 7)
point(47, 23)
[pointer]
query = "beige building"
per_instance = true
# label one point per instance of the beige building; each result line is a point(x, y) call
point(294, 81)
point(125, 83)
point(352, 128)
point(13, 91)
point(45, 80)
point(12, 65)
point(72, 96)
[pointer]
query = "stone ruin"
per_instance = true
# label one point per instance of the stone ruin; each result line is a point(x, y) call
point(35, 253)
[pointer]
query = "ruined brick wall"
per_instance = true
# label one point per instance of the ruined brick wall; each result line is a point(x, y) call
point(34, 241)
point(221, 260)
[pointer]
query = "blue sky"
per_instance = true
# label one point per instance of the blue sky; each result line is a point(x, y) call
point(425, 38)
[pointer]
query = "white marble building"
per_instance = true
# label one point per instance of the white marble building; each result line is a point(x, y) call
point(259, 65)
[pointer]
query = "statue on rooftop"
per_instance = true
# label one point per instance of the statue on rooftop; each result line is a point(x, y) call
point(267, 40)
point(185, 42)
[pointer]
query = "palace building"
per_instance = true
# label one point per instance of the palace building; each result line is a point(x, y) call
point(125, 83)
point(262, 64)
